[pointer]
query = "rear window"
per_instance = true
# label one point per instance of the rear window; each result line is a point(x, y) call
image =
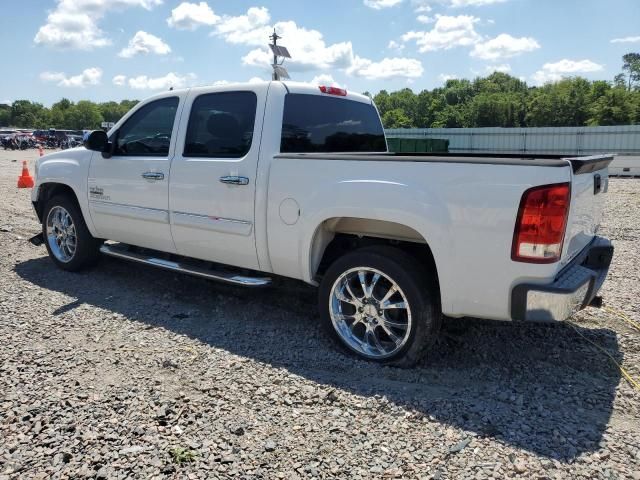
point(315, 123)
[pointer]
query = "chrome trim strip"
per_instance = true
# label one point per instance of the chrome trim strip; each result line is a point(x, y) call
point(115, 251)
point(216, 224)
point(527, 160)
point(130, 211)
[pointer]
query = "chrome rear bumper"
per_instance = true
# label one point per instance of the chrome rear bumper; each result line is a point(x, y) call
point(574, 288)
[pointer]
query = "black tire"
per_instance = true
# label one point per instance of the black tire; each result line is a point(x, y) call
point(416, 282)
point(87, 247)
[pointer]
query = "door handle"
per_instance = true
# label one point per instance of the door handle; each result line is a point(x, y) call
point(153, 176)
point(234, 180)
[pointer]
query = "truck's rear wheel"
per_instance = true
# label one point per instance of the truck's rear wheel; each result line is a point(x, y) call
point(380, 304)
point(68, 241)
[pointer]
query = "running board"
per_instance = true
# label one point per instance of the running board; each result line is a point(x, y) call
point(125, 253)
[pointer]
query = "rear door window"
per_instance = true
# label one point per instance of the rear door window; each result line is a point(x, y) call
point(221, 125)
point(316, 123)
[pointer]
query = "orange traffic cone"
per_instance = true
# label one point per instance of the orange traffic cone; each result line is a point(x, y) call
point(40, 150)
point(25, 180)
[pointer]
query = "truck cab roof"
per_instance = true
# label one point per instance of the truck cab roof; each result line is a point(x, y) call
point(291, 87)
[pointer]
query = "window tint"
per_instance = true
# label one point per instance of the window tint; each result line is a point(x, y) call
point(221, 125)
point(315, 123)
point(148, 131)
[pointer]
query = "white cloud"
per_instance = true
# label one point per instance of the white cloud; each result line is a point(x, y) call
point(324, 79)
point(424, 5)
point(425, 19)
point(504, 46)
point(380, 4)
point(249, 29)
point(393, 45)
point(541, 77)
point(73, 24)
point(443, 77)
point(421, 6)
point(227, 82)
point(89, 76)
point(573, 66)
point(386, 68)
point(52, 76)
point(473, 3)
point(552, 72)
point(308, 48)
point(119, 80)
point(171, 79)
point(626, 40)
point(144, 43)
point(190, 16)
point(448, 32)
point(502, 68)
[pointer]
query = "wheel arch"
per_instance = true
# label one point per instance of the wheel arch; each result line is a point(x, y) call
point(47, 190)
point(336, 236)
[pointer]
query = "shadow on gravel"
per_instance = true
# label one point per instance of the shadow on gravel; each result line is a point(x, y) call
point(535, 387)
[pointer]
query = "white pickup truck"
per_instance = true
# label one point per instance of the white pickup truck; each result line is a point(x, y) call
point(238, 182)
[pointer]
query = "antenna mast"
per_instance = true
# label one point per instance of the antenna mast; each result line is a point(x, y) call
point(275, 37)
point(279, 72)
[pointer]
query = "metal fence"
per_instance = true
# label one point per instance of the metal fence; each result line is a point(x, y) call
point(561, 140)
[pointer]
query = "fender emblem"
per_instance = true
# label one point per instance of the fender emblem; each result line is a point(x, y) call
point(98, 193)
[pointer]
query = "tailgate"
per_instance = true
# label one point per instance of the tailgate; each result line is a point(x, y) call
point(589, 184)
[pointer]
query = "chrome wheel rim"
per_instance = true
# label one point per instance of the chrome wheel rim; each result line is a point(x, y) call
point(61, 234)
point(370, 312)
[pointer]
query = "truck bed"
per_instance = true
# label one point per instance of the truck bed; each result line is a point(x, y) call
point(463, 206)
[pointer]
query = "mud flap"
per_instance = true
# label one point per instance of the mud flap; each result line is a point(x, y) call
point(37, 240)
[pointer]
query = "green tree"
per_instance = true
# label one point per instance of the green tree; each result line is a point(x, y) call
point(631, 65)
point(406, 101)
point(111, 111)
point(83, 115)
point(5, 117)
point(26, 114)
point(128, 105)
point(382, 102)
point(561, 104)
point(495, 110)
point(615, 107)
point(396, 118)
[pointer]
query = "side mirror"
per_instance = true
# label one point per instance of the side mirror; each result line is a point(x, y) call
point(97, 141)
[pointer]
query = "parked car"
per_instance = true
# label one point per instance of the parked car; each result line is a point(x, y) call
point(240, 182)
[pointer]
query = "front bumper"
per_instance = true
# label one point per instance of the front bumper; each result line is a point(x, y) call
point(573, 289)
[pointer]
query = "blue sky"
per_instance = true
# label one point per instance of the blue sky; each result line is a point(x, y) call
point(114, 49)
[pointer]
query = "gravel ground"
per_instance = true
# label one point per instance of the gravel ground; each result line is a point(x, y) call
point(130, 372)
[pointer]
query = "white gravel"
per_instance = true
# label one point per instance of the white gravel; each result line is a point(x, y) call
point(130, 372)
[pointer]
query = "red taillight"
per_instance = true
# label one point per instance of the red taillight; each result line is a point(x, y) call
point(333, 91)
point(541, 224)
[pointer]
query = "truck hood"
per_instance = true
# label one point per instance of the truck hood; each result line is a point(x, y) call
point(62, 164)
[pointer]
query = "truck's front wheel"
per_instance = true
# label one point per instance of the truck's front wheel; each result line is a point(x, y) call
point(68, 241)
point(381, 304)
